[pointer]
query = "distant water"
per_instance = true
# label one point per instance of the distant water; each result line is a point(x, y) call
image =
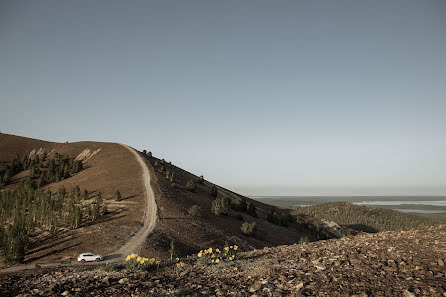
point(419, 202)
point(426, 211)
point(410, 201)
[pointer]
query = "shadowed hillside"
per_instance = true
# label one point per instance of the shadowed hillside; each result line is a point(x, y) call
point(193, 232)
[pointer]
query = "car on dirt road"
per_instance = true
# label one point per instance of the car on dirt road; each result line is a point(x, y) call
point(88, 257)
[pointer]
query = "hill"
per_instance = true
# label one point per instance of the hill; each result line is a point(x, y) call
point(364, 218)
point(107, 167)
point(98, 222)
point(405, 263)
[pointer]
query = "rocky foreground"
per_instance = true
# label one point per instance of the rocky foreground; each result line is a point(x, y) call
point(408, 263)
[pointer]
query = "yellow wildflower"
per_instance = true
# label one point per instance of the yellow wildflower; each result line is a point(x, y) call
point(235, 247)
point(138, 259)
point(213, 256)
point(199, 255)
point(226, 249)
point(210, 250)
point(235, 268)
point(212, 261)
point(231, 247)
point(216, 261)
point(178, 259)
point(217, 250)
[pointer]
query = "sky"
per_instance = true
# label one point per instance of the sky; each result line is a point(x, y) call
point(262, 97)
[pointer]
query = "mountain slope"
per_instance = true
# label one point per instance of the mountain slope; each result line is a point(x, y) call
point(113, 167)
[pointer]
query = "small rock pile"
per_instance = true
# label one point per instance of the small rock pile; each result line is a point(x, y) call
point(406, 263)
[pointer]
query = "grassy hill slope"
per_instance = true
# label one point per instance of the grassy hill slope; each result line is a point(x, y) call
point(112, 168)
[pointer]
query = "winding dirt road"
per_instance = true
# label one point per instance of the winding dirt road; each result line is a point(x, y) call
point(133, 245)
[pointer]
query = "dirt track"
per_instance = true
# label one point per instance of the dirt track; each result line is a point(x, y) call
point(135, 242)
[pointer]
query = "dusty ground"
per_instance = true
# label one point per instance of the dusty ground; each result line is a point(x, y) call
point(404, 263)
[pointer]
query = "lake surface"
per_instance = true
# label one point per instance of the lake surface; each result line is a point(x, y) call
point(419, 202)
point(426, 211)
point(408, 204)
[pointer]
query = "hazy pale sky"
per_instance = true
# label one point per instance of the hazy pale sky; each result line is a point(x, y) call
point(264, 97)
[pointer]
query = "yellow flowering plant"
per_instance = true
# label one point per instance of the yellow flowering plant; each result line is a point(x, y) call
point(209, 257)
point(138, 263)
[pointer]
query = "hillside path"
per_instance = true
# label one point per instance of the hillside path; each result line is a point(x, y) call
point(133, 245)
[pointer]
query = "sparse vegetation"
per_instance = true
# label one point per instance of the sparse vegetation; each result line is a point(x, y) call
point(252, 211)
point(214, 191)
point(191, 185)
point(220, 206)
point(117, 195)
point(212, 257)
point(239, 205)
point(42, 170)
point(363, 218)
point(25, 209)
point(195, 211)
point(173, 250)
point(248, 229)
point(135, 263)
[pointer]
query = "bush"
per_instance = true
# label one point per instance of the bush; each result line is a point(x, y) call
point(252, 210)
point(248, 229)
point(238, 205)
point(191, 185)
point(210, 256)
point(214, 191)
point(173, 250)
point(117, 195)
point(195, 211)
point(201, 180)
point(136, 263)
point(220, 206)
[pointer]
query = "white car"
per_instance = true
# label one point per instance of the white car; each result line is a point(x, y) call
point(87, 257)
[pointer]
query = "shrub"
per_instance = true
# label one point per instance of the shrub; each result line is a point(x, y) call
point(117, 195)
point(173, 250)
point(236, 204)
point(201, 180)
point(303, 240)
point(252, 210)
point(195, 211)
point(85, 195)
point(210, 256)
point(220, 206)
point(214, 191)
point(191, 185)
point(248, 229)
point(136, 263)
point(273, 217)
point(149, 154)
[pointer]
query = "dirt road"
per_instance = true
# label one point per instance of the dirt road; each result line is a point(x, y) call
point(133, 245)
point(136, 241)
